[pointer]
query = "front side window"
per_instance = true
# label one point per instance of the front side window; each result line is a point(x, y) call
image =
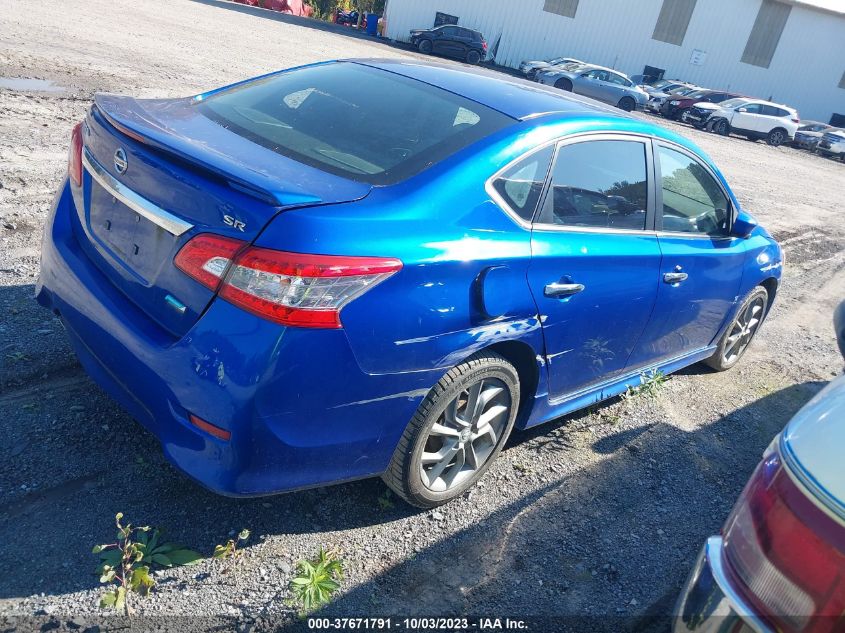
point(693, 202)
point(521, 185)
point(753, 108)
point(598, 184)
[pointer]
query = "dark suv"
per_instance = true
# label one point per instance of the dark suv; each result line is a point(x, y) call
point(452, 41)
point(678, 107)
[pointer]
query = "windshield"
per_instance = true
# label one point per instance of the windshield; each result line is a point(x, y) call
point(733, 103)
point(697, 94)
point(352, 120)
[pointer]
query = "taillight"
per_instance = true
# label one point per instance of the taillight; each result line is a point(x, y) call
point(787, 553)
point(206, 258)
point(293, 289)
point(796, 120)
point(484, 45)
point(74, 157)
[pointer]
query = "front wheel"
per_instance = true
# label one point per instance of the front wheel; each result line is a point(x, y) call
point(457, 432)
point(683, 115)
point(721, 127)
point(563, 84)
point(741, 331)
point(473, 57)
point(424, 47)
point(627, 104)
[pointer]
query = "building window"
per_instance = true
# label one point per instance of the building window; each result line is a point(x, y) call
point(673, 21)
point(766, 32)
point(566, 8)
point(842, 81)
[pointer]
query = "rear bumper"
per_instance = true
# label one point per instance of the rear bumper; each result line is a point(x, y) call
point(300, 410)
point(709, 603)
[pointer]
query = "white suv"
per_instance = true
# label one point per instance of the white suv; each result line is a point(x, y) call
point(754, 119)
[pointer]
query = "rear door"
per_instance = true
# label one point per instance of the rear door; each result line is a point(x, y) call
point(702, 264)
point(595, 259)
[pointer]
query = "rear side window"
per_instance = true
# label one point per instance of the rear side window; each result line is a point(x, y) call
point(352, 120)
point(598, 184)
point(692, 200)
point(521, 185)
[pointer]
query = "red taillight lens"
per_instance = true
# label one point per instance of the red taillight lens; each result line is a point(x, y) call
point(788, 555)
point(796, 120)
point(74, 157)
point(293, 289)
point(206, 258)
point(484, 45)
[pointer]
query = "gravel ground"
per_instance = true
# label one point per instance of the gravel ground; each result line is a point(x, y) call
point(597, 515)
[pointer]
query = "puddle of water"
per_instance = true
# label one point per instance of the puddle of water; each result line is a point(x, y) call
point(37, 85)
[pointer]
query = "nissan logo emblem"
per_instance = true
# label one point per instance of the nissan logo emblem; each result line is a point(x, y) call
point(120, 162)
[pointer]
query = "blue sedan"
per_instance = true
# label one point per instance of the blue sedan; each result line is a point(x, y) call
point(370, 267)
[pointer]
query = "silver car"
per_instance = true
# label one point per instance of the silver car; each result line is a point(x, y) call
point(531, 68)
point(603, 84)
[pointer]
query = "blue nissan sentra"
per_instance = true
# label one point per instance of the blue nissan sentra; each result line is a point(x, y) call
point(381, 267)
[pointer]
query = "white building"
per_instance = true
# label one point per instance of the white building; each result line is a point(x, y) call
point(792, 51)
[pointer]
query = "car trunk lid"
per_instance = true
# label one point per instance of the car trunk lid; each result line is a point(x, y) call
point(158, 173)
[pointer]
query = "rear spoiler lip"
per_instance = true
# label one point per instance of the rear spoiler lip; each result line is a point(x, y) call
point(277, 199)
point(282, 200)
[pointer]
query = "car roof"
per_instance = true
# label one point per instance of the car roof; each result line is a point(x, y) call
point(517, 98)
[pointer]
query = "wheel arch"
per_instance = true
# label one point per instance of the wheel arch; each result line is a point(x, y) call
point(770, 285)
point(521, 355)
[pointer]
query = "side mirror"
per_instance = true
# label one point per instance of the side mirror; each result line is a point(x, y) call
point(742, 109)
point(744, 225)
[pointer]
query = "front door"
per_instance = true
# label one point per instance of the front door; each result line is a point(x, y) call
point(702, 264)
point(595, 261)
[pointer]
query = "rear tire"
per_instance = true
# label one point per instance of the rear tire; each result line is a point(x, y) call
point(741, 331)
point(777, 137)
point(627, 104)
point(424, 47)
point(473, 57)
point(564, 84)
point(468, 438)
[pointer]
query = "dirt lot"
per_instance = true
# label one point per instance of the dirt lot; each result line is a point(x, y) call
point(597, 515)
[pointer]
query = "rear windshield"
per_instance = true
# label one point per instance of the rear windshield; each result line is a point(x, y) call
point(355, 121)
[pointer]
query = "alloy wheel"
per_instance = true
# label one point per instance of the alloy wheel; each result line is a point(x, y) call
point(776, 138)
point(743, 329)
point(464, 437)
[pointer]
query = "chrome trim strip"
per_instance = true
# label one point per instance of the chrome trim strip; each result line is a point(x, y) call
point(714, 553)
point(139, 204)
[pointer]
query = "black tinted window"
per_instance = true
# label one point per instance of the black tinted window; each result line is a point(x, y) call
point(321, 116)
point(753, 108)
point(599, 184)
point(692, 200)
point(521, 185)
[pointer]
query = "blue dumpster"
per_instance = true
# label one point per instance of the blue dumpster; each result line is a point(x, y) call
point(372, 24)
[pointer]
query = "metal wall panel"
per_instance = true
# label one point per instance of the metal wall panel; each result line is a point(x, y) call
point(804, 72)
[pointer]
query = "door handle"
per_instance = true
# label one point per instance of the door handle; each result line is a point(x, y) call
point(562, 290)
point(674, 278)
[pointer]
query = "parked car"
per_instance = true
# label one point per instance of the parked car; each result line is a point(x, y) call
point(809, 134)
point(664, 85)
point(678, 106)
point(832, 144)
point(287, 306)
point(657, 99)
point(603, 84)
point(752, 118)
point(779, 563)
point(530, 68)
point(451, 40)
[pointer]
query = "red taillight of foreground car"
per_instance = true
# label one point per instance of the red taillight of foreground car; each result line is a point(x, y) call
point(74, 156)
point(294, 289)
point(787, 554)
